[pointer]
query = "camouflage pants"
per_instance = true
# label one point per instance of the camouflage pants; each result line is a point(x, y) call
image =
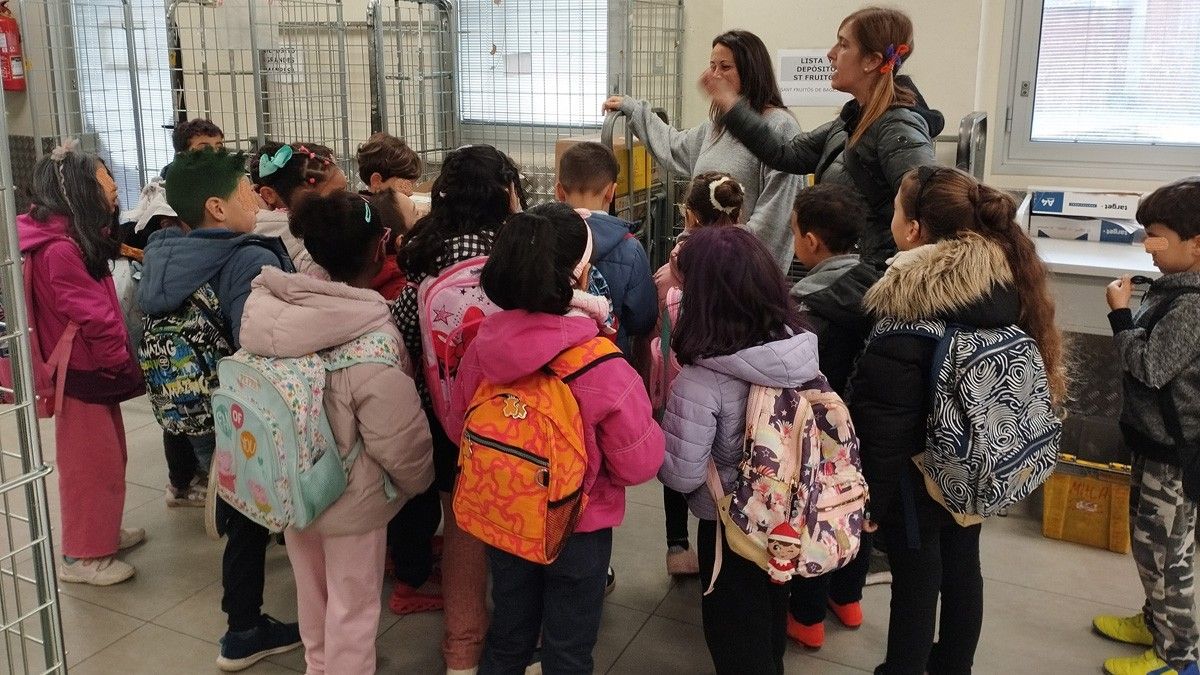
point(1163, 527)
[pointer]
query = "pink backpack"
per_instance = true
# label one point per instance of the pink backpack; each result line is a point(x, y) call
point(49, 374)
point(663, 366)
point(450, 307)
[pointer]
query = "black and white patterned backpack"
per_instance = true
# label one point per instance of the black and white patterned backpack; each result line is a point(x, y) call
point(992, 433)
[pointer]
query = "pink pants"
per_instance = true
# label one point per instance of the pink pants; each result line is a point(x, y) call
point(91, 457)
point(337, 597)
point(464, 592)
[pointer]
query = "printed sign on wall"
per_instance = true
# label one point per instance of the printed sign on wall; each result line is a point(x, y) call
point(804, 79)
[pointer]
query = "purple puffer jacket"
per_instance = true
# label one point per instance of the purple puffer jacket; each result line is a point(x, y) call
point(706, 413)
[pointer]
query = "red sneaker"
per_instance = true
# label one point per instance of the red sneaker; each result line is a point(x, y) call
point(810, 637)
point(850, 614)
point(408, 600)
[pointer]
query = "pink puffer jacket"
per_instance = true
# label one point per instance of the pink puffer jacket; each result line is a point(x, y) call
point(290, 315)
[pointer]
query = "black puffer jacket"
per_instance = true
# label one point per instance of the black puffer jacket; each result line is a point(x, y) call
point(898, 141)
point(965, 281)
point(835, 313)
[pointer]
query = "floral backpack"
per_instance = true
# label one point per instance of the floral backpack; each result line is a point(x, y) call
point(663, 366)
point(798, 504)
point(276, 458)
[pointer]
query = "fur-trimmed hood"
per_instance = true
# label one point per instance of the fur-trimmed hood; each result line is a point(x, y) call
point(946, 280)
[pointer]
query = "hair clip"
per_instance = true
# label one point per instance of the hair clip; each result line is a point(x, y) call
point(367, 209)
point(268, 165)
point(893, 57)
point(712, 195)
point(66, 147)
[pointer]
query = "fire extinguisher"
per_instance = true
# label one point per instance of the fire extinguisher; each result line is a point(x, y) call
point(12, 66)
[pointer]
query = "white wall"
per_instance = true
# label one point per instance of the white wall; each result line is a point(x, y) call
point(956, 62)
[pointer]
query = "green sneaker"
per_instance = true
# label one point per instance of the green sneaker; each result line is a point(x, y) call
point(1130, 629)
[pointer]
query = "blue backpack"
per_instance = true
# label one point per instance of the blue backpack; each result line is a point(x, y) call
point(276, 459)
point(992, 433)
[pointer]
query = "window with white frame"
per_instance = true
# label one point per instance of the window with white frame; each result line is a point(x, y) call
point(1108, 86)
point(532, 62)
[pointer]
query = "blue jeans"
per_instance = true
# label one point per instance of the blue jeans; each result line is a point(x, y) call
point(561, 601)
point(204, 446)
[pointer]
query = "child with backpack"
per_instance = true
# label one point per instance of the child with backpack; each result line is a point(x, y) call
point(373, 411)
point(67, 240)
point(587, 180)
point(282, 175)
point(967, 287)
point(713, 200)
point(567, 486)
point(194, 289)
point(826, 222)
point(1158, 351)
point(478, 188)
point(737, 329)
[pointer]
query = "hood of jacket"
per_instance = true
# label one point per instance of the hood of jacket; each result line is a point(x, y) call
point(290, 315)
point(178, 264)
point(785, 363)
point(840, 301)
point(607, 232)
point(541, 338)
point(966, 280)
point(33, 234)
point(824, 274)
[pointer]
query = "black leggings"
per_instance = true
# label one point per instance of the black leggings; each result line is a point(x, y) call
point(410, 537)
point(676, 507)
point(810, 596)
point(947, 564)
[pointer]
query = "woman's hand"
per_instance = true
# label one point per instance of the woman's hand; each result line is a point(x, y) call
point(1120, 292)
point(613, 103)
point(719, 89)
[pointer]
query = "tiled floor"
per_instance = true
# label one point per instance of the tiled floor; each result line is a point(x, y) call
point(1040, 596)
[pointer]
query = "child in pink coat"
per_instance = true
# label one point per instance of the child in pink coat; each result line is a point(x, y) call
point(536, 270)
point(338, 559)
point(67, 238)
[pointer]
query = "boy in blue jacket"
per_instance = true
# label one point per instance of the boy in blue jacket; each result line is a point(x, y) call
point(210, 193)
point(587, 179)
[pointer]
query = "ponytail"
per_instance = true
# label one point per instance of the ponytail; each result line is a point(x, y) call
point(715, 198)
point(947, 203)
point(889, 33)
point(533, 260)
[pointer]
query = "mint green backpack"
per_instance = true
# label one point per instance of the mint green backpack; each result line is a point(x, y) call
point(276, 459)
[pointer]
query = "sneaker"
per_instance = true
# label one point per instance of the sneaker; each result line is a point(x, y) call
point(610, 582)
point(810, 637)
point(192, 495)
point(130, 538)
point(245, 648)
point(210, 508)
point(95, 571)
point(1147, 663)
point(1130, 629)
point(682, 562)
point(408, 600)
point(535, 663)
point(850, 614)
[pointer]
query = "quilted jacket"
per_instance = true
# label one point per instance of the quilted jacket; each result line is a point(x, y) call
point(706, 413)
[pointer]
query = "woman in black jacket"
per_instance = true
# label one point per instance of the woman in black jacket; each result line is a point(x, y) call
point(879, 135)
point(963, 260)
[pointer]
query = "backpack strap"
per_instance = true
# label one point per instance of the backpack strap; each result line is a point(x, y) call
point(573, 362)
point(212, 314)
point(55, 365)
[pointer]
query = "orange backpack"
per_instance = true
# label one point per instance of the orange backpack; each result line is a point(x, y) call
point(523, 458)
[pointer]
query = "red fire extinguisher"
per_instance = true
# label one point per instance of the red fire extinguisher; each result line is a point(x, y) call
point(12, 66)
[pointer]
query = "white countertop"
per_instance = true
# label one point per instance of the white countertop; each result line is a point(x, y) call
point(1094, 259)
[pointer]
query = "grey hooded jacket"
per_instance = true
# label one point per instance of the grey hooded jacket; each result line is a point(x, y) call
point(706, 413)
point(1166, 357)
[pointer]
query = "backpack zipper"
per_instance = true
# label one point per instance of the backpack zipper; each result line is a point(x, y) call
point(472, 437)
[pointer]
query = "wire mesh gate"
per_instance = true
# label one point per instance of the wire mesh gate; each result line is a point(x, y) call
point(31, 638)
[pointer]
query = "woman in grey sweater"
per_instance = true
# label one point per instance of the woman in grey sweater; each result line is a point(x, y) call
point(741, 58)
point(879, 135)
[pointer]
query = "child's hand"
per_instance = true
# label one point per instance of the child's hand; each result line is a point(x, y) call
point(719, 89)
point(613, 103)
point(1120, 292)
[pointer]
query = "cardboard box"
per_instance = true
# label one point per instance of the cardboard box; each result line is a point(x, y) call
point(1087, 203)
point(1088, 503)
point(645, 171)
point(1086, 229)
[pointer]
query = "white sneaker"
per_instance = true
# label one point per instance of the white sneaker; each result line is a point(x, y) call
point(131, 537)
point(95, 571)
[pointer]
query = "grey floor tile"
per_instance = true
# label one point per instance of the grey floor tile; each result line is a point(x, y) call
point(90, 628)
point(682, 602)
point(618, 628)
point(412, 645)
point(646, 494)
point(639, 559)
point(665, 646)
point(153, 650)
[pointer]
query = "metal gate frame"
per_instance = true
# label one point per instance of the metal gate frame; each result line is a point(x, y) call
point(31, 627)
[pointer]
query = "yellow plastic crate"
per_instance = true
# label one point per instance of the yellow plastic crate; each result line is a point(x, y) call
point(1088, 503)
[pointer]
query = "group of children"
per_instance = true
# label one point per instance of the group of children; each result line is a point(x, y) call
point(286, 262)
